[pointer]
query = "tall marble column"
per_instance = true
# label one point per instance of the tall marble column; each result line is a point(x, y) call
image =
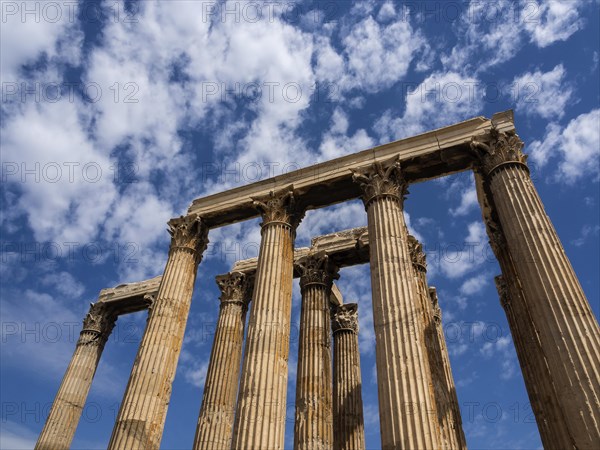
point(567, 329)
point(452, 436)
point(313, 426)
point(406, 410)
point(454, 432)
point(261, 408)
point(553, 429)
point(215, 421)
point(348, 420)
point(65, 413)
point(143, 410)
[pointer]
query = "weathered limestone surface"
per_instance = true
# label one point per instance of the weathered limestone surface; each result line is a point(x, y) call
point(407, 413)
point(553, 427)
point(455, 435)
point(215, 421)
point(567, 329)
point(452, 436)
point(425, 156)
point(313, 426)
point(261, 408)
point(141, 418)
point(130, 297)
point(348, 421)
point(66, 410)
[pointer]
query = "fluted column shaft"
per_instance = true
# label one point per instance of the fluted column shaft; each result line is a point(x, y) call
point(348, 420)
point(452, 436)
point(455, 435)
point(215, 421)
point(65, 413)
point(141, 418)
point(261, 407)
point(407, 413)
point(313, 426)
point(567, 329)
point(553, 428)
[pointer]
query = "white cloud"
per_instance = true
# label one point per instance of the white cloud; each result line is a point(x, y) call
point(69, 190)
point(468, 202)
point(474, 284)
point(580, 147)
point(549, 21)
point(441, 99)
point(371, 414)
point(331, 219)
point(31, 29)
point(196, 376)
point(577, 147)
point(455, 260)
point(379, 56)
point(15, 436)
point(64, 283)
point(586, 232)
point(504, 352)
point(482, 37)
point(336, 141)
point(543, 94)
point(374, 55)
point(540, 152)
point(492, 34)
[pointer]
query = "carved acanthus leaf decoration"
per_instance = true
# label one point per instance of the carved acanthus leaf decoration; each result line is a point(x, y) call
point(280, 207)
point(499, 148)
point(98, 323)
point(382, 179)
point(317, 269)
point(417, 255)
point(189, 232)
point(236, 287)
point(345, 317)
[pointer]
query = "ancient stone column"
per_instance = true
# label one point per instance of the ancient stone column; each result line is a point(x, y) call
point(215, 421)
point(313, 426)
point(407, 413)
point(454, 433)
point(567, 329)
point(348, 421)
point(452, 436)
point(64, 415)
point(143, 410)
point(261, 408)
point(553, 428)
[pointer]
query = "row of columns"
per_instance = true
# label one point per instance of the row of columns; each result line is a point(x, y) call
point(567, 355)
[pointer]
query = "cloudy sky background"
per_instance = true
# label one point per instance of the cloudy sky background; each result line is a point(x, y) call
point(116, 115)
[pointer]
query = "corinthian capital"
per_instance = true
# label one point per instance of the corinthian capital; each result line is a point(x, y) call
point(279, 207)
point(189, 232)
point(497, 149)
point(417, 255)
point(345, 317)
point(317, 269)
point(236, 287)
point(98, 324)
point(382, 179)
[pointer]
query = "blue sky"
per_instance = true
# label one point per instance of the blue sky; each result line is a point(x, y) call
point(116, 115)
